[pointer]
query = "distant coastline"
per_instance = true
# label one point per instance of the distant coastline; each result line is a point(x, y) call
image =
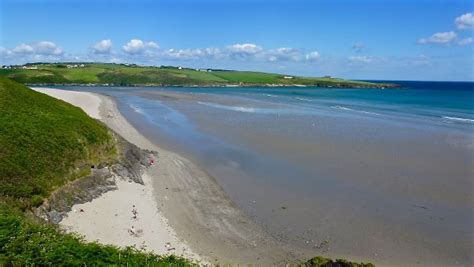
point(109, 74)
point(215, 85)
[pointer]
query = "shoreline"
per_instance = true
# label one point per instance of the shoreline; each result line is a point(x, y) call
point(185, 209)
point(257, 85)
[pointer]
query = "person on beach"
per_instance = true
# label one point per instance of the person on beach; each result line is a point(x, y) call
point(134, 212)
point(132, 231)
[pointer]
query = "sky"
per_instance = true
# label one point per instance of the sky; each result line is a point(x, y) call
point(363, 39)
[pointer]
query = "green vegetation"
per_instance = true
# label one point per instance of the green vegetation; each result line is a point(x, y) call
point(133, 75)
point(324, 262)
point(44, 144)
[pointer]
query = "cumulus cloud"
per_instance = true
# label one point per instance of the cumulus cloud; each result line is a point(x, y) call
point(140, 51)
point(284, 54)
point(465, 21)
point(466, 41)
point(31, 52)
point(312, 56)
point(255, 52)
point(243, 50)
point(5, 53)
point(43, 48)
point(137, 46)
point(47, 48)
point(23, 49)
point(189, 54)
point(439, 38)
point(40, 48)
point(102, 47)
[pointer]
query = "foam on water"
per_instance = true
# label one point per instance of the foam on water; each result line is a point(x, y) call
point(350, 109)
point(458, 119)
point(243, 108)
point(136, 109)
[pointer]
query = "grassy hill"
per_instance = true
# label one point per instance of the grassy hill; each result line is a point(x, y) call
point(130, 75)
point(44, 144)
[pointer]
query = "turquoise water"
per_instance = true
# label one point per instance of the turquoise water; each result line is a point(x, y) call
point(373, 172)
point(447, 101)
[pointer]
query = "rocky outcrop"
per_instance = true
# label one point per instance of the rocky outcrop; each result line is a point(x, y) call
point(130, 165)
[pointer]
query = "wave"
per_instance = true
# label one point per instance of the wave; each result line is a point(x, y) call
point(136, 109)
point(233, 108)
point(355, 110)
point(303, 99)
point(368, 112)
point(341, 108)
point(458, 119)
point(245, 109)
point(269, 95)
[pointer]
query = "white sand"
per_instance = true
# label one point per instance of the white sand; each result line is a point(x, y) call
point(90, 103)
point(109, 218)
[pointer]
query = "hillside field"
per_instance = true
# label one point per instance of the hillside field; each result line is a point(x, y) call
point(134, 75)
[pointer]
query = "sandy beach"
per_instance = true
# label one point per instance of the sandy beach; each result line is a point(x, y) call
point(181, 209)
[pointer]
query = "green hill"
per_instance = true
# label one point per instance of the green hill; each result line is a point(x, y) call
point(45, 142)
point(133, 75)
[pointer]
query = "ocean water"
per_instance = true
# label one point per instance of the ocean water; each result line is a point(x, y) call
point(365, 173)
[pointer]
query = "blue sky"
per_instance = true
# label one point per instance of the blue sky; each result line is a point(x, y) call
point(365, 39)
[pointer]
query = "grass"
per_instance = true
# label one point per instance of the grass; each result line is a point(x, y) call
point(43, 142)
point(119, 74)
point(325, 262)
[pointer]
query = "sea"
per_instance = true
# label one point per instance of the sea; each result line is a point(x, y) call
point(366, 173)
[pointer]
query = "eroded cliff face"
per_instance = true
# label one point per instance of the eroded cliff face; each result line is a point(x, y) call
point(129, 166)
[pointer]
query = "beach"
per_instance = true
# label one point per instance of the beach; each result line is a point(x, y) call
point(181, 209)
point(283, 175)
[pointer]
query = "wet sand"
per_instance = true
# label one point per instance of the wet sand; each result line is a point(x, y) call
point(393, 194)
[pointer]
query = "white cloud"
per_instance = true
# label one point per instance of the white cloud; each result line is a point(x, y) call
point(102, 47)
point(23, 49)
point(363, 59)
point(140, 51)
point(47, 48)
point(136, 46)
point(243, 50)
point(439, 38)
point(43, 48)
point(312, 56)
point(284, 54)
point(188, 54)
point(465, 21)
point(5, 53)
point(466, 41)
